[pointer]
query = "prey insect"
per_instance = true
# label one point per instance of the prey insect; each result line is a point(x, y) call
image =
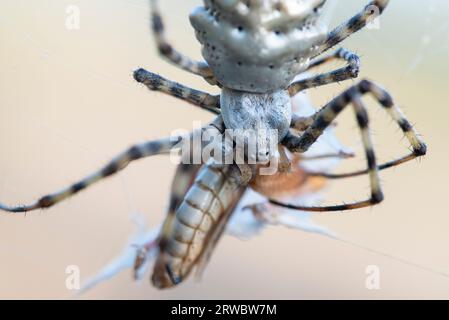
point(253, 50)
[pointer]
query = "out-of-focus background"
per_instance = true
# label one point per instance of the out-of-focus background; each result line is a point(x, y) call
point(68, 103)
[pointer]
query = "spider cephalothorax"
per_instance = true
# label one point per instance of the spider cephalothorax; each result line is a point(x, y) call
point(266, 116)
point(267, 43)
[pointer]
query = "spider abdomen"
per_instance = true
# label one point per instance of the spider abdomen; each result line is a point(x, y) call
point(258, 46)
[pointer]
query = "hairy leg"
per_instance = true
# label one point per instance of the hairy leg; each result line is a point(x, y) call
point(172, 55)
point(198, 98)
point(356, 23)
point(350, 71)
point(327, 115)
point(119, 163)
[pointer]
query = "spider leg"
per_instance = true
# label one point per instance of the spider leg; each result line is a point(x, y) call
point(301, 123)
point(396, 114)
point(167, 51)
point(387, 165)
point(335, 155)
point(327, 115)
point(350, 71)
point(119, 163)
point(356, 23)
point(362, 120)
point(341, 54)
point(198, 98)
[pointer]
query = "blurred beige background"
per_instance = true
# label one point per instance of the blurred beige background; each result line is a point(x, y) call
point(68, 103)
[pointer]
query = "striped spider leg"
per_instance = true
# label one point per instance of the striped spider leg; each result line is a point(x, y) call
point(336, 36)
point(351, 26)
point(324, 117)
point(350, 71)
point(198, 98)
point(172, 55)
point(120, 162)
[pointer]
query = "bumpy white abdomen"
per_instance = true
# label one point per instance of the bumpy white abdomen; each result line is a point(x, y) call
point(258, 45)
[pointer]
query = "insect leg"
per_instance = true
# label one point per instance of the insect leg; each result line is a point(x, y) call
point(198, 98)
point(328, 114)
point(356, 23)
point(350, 71)
point(172, 55)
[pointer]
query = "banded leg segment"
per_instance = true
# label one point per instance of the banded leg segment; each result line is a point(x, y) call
point(340, 54)
point(198, 98)
point(136, 152)
point(301, 123)
point(350, 71)
point(356, 23)
point(320, 124)
point(166, 50)
point(119, 163)
point(418, 146)
point(328, 114)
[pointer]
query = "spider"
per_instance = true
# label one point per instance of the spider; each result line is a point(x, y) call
point(253, 50)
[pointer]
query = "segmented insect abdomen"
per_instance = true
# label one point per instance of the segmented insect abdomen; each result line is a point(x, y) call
point(205, 208)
